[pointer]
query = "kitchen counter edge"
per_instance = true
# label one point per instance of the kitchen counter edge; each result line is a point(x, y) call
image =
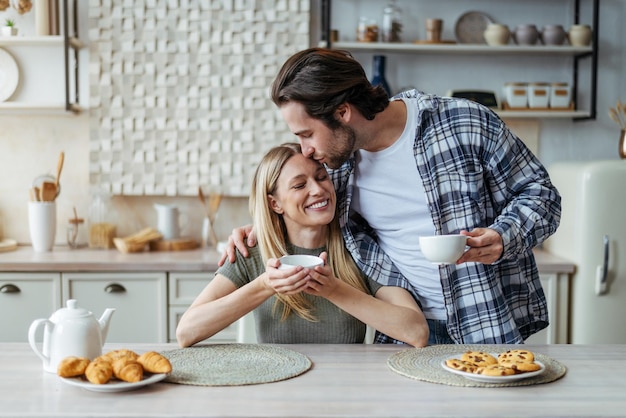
point(63, 259)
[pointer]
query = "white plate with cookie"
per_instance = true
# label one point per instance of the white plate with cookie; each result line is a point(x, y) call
point(489, 371)
point(114, 385)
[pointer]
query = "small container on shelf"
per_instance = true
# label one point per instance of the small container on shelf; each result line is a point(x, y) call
point(526, 34)
point(579, 35)
point(553, 35)
point(367, 30)
point(392, 24)
point(538, 95)
point(516, 94)
point(560, 95)
point(497, 34)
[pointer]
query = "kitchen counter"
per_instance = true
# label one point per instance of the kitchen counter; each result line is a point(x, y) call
point(345, 380)
point(66, 259)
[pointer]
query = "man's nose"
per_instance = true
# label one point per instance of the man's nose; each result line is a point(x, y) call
point(307, 151)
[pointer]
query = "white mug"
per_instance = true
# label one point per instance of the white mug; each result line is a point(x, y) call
point(42, 222)
point(168, 221)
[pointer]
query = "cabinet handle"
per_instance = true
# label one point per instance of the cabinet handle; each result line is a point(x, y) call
point(9, 288)
point(115, 288)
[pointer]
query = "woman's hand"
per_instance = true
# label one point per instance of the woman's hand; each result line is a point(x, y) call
point(285, 282)
point(322, 281)
point(237, 239)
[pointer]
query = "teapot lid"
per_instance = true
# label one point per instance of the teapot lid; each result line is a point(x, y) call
point(72, 311)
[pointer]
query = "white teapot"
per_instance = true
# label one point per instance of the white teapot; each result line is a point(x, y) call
point(70, 331)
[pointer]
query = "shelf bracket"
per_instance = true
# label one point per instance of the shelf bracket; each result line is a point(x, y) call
point(71, 43)
point(593, 99)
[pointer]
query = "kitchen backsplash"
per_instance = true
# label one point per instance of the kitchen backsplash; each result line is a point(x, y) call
point(179, 92)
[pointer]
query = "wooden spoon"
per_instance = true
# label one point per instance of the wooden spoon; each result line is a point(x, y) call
point(48, 191)
point(59, 168)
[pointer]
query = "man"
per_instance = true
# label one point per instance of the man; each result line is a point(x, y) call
point(424, 165)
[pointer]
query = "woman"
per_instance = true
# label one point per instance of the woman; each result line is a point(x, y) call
point(293, 205)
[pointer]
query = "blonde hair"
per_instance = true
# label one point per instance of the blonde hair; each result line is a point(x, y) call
point(272, 233)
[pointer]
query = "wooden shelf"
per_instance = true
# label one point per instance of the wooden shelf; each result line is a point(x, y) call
point(39, 108)
point(543, 114)
point(446, 48)
point(31, 40)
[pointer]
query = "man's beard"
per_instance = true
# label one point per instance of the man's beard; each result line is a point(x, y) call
point(342, 148)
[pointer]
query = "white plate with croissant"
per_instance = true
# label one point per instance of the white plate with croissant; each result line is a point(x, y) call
point(115, 371)
point(114, 385)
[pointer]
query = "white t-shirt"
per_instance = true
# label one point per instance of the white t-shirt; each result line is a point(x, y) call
point(390, 196)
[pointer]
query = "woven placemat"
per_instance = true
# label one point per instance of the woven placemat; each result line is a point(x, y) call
point(425, 364)
point(234, 364)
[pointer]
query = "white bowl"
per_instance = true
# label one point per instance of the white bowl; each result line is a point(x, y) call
point(443, 249)
point(307, 261)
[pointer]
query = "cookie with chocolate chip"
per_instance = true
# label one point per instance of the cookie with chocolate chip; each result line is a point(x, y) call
point(479, 358)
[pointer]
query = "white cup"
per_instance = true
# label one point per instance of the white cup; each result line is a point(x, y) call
point(307, 261)
point(42, 222)
point(443, 249)
point(169, 220)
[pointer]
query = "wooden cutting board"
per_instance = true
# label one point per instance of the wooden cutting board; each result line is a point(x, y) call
point(8, 245)
point(181, 244)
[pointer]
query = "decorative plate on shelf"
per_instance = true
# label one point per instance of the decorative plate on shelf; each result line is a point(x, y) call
point(9, 75)
point(469, 28)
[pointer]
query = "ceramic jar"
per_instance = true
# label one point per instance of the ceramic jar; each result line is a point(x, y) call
point(553, 35)
point(497, 34)
point(579, 35)
point(560, 95)
point(516, 95)
point(526, 34)
point(538, 95)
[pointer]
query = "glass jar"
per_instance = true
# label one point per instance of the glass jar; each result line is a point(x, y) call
point(367, 30)
point(75, 233)
point(102, 227)
point(392, 25)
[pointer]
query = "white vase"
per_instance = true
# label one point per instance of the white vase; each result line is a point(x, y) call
point(9, 31)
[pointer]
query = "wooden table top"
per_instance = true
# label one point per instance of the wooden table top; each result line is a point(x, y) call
point(345, 380)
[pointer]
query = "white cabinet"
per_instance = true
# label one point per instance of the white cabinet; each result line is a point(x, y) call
point(183, 289)
point(556, 289)
point(25, 297)
point(139, 299)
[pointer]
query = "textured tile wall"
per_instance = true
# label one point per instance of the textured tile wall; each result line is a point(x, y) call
point(179, 91)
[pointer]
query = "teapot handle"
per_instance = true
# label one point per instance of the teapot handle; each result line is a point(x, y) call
point(31, 338)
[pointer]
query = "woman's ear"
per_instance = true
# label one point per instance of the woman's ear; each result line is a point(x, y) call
point(274, 204)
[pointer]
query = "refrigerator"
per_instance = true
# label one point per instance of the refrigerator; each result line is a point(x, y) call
point(592, 234)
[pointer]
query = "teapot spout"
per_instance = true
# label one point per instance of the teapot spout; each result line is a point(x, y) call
point(104, 321)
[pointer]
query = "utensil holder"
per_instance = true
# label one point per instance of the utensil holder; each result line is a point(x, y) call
point(42, 222)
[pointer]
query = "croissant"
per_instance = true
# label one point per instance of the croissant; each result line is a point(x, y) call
point(154, 362)
point(99, 371)
point(127, 370)
point(72, 366)
point(122, 354)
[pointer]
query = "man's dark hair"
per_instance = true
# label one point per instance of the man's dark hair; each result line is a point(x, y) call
point(322, 79)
